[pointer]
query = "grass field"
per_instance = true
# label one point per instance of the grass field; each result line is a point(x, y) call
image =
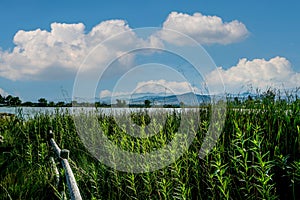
point(257, 156)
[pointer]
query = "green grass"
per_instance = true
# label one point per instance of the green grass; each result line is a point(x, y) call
point(257, 156)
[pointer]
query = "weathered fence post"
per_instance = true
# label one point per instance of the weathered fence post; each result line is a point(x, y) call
point(71, 181)
point(55, 170)
point(64, 156)
point(53, 143)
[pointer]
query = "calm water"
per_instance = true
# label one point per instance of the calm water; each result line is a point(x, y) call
point(31, 111)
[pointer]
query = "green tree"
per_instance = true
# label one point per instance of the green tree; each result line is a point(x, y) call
point(51, 104)
point(147, 103)
point(74, 103)
point(28, 104)
point(8, 100)
point(2, 99)
point(120, 103)
point(42, 102)
point(60, 104)
point(15, 101)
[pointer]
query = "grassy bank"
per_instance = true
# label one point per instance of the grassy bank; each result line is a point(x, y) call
point(257, 156)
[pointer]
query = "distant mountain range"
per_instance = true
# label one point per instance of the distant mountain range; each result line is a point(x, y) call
point(169, 99)
point(159, 99)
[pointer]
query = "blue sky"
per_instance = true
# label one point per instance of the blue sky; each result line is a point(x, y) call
point(262, 50)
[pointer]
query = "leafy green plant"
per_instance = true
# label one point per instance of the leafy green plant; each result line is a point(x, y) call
point(257, 155)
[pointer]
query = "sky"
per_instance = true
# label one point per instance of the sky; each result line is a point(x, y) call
point(62, 49)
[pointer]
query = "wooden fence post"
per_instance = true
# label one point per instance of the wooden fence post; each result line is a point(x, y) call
point(64, 156)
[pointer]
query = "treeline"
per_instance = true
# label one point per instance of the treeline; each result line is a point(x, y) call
point(14, 101)
point(267, 97)
point(10, 100)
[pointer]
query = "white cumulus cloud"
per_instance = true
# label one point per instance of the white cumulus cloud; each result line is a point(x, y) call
point(204, 29)
point(58, 53)
point(41, 54)
point(257, 73)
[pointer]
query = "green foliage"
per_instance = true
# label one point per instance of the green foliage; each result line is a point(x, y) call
point(10, 101)
point(42, 102)
point(257, 156)
point(141, 118)
point(147, 103)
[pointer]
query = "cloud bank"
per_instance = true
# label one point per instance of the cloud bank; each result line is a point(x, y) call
point(276, 72)
point(58, 53)
point(39, 53)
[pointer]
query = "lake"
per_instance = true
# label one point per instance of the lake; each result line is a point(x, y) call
point(28, 112)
